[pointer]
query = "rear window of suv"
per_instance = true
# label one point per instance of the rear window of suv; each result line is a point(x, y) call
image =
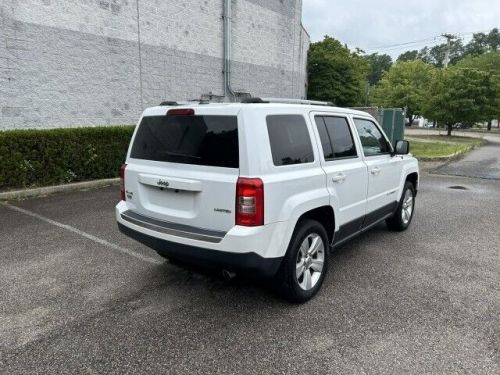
point(200, 140)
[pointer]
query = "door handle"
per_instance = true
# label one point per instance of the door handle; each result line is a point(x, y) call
point(340, 177)
point(375, 170)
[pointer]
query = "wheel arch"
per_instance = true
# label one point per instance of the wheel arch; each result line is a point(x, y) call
point(413, 178)
point(325, 215)
point(410, 172)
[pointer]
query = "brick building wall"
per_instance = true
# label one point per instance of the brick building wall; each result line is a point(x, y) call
point(94, 62)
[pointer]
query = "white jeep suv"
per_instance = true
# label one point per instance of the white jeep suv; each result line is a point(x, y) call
point(262, 187)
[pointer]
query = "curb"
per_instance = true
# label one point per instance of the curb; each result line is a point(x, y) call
point(445, 158)
point(41, 191)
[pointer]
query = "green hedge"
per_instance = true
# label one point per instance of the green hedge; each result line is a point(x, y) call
point(30, 158)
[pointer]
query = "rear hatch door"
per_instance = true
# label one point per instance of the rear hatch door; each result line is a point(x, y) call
point(183, 168)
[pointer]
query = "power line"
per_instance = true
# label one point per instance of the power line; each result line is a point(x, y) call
point(402, 44)
point(407, 45)
point(415, 45)
point(421, 42)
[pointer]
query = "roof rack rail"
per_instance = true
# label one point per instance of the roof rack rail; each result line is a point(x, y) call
point(286, 101)
point(172, 103)
point(253, 100)
point(205, 99)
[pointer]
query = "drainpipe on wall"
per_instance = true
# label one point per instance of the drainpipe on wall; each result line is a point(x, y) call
point(227, 48)
point(228, 90)
point(140, 56)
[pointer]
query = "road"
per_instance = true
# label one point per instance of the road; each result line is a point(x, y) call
point(78, 297)
point(483, 162)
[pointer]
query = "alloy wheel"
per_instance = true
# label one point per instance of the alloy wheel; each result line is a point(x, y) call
point(407, 207)
point(310, 261)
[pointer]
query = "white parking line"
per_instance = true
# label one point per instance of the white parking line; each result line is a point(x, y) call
point(86, 235)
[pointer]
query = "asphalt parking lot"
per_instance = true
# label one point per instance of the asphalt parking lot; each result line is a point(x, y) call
point(78, 297)
point(481, 163)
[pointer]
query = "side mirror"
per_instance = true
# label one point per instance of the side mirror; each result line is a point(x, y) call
point(402, 148)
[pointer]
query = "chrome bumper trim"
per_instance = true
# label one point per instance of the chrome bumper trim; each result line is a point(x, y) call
point(173, 229)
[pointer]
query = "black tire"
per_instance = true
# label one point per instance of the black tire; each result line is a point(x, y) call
point(397, 222)
point(288, 285)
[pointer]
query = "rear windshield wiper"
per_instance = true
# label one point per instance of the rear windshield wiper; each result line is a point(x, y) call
point(178, 154)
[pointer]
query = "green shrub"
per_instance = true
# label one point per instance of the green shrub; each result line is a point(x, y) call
point(30, 158)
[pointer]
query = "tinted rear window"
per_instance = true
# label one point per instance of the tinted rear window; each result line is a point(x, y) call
point(199, 140)
point(289, 138)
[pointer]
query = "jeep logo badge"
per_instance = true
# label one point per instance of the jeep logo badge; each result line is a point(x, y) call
point(163, 183)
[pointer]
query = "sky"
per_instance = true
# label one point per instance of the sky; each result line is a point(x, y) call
point(383, 25)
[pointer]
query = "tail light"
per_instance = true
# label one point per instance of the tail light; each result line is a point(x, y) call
point(122, 182)
point(249, 202)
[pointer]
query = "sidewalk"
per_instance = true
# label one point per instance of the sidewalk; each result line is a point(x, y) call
point(458, 133)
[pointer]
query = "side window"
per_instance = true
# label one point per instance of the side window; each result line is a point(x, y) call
point(336, 137)
point(326, 143)
point(289, 139)
point(341, 137)
point(371, 138)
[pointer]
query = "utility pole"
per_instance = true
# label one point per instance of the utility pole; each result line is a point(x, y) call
point(449, 38)
point(367, 93)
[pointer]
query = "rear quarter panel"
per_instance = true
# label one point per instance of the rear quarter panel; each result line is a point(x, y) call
point(291, 190)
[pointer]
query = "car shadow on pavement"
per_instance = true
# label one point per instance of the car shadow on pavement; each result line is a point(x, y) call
point(196, 280)
point(193, 278)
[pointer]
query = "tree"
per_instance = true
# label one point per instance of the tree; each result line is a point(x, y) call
point(494, 40)
point(482, 43)
point(408, 56)
point(489, 63)
point(336, 74)
point(436, 55)
point(459, 95)
point(378, 65)
point(425, 55)
point(405, 85)
point(478, 45)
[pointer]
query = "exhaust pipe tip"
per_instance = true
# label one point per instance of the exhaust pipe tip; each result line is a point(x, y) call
point(228, 275)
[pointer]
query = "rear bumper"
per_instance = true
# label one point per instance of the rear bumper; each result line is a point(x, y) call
point(250, 262)
point(267, 241)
